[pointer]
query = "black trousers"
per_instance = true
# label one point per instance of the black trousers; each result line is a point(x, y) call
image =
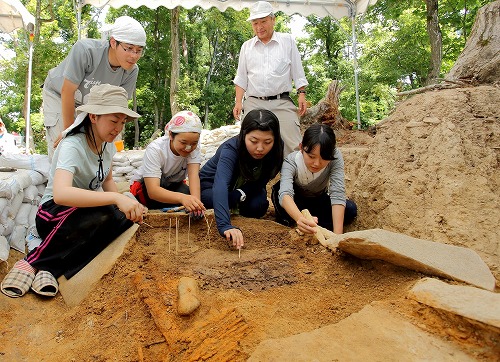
point(72, 236)
point(319, 206)
point(171, 186)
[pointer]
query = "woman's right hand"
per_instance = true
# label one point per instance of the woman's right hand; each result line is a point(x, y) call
point(132, 209)
point(234, 236)
point(192, 203)
point(307, 226)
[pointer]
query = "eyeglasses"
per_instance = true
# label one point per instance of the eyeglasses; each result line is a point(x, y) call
point(132, 51)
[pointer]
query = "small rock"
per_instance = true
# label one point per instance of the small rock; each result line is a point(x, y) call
point(188, 296)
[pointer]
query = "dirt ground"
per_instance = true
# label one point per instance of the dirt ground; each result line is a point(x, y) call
point(280, 285)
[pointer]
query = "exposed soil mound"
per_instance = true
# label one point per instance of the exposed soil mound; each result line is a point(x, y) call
point(433, 171)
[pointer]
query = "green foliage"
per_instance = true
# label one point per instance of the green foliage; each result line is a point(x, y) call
point(393, 52)
point(38, 133)
point(393, 55)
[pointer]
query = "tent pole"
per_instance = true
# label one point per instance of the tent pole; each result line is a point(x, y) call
point(355, 55)
point(79, 17)
point(28, 101)
point(352, 15)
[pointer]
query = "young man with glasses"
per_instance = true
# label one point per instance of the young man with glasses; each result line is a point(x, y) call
point(91, 62)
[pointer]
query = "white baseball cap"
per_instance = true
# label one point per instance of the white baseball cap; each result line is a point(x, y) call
point(259, 10)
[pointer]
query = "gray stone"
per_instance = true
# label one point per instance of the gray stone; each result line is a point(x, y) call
point(81, 284)
point(373, 334)
point(473, 303)
point(448, 261)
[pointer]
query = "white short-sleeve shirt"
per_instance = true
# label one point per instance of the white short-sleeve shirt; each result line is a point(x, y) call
point(159, 160)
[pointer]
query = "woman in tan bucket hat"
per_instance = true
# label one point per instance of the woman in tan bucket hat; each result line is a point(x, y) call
point(81, 211)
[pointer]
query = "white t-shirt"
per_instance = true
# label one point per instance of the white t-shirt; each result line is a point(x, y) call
point(74, 155)
point(159, 160)
point(269, 69)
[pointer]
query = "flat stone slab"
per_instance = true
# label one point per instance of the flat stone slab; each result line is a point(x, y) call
point(372, 334)
point(473, 303)
point(429, 257)
point(79, 286)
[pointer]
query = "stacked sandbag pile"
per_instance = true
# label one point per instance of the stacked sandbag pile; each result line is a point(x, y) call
point(124, 164)
point(23, 179)
point(211, 140)
point(22, 183)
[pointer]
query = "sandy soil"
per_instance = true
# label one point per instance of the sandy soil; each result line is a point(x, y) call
point(282, 284)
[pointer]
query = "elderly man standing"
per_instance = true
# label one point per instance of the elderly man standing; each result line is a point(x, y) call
point(268, 64)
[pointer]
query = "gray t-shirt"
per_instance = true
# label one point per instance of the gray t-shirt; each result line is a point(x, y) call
point(74, 155)
point(331, 180)
point(87, 64)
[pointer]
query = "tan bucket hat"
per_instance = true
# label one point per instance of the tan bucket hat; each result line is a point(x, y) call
point(103, 99)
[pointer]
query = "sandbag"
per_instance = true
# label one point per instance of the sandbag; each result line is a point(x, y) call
point(17, 239)
point(34, 162)
point(4, 248)
point(41, 189)
point(120, 157)
point(4, 210)
point(9, 187)
point(122, 170)
point(32, 215)
point(37, 178)
point(22, 217)
point(9, 227)
point(121, 164)
point(15, 204)
point(137, 163)
point(23, 178)
point(118, 179)
point(30, 194)
point(136, 157)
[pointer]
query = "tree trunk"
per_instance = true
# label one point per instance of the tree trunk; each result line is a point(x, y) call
point(479, 62)
point(209, 74)
point(175, 71)
point(326, 111)
point(436, 41)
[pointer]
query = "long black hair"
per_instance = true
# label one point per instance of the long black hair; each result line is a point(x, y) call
point(262, 120)
point(322, 135)
point(86, 124)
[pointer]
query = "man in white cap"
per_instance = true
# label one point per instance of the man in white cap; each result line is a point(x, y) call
point(268, 64)
point(91, 62)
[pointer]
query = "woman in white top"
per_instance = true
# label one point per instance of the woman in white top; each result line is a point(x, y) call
point(160, 182)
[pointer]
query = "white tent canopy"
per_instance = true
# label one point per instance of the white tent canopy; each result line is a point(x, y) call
point(337, 9)
point(13, 15)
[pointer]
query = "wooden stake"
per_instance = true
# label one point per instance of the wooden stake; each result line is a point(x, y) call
point(169, 232)
point(176, 235)
point(239, 253)
point(189, 229)
point(208, 229)
point(318, 233)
